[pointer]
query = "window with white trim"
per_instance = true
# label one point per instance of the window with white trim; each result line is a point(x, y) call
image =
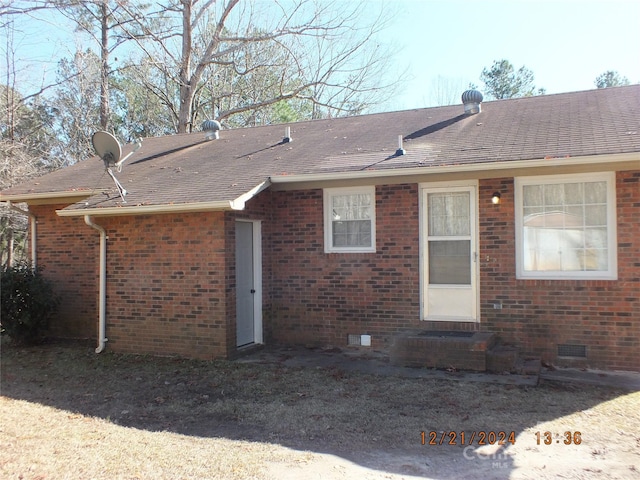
point(349, 219)
point(566, 226)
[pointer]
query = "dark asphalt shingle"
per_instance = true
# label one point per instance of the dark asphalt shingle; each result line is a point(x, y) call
point(186, 169)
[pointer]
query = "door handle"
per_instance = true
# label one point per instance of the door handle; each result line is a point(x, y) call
point(253, 291)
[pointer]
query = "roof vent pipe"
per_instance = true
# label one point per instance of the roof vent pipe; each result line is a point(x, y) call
point(211, 129)
point(287, 136)
point(471, 100)
point(400, 150)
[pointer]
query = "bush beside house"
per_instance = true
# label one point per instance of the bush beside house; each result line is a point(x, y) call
point(28, 303)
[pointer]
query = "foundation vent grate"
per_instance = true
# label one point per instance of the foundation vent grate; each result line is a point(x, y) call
point(576, 351)
point(354, 339)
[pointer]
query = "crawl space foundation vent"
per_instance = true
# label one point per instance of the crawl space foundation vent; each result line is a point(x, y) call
point(576, 351)
point(359, 340)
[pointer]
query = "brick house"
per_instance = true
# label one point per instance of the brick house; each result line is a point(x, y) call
point(516, 217)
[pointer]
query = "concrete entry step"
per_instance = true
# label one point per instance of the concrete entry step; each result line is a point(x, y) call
point(529, 366)
point(502, 359)
point(457, 350)
point(460, 350)
point(506, 359)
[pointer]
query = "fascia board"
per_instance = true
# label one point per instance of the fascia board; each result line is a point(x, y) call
point(633, 159)
point(235, 204)
point(239, 203)
point(46, 196)
point(147, 209)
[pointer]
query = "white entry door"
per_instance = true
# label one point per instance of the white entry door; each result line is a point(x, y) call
point(248, 284)
point(449, 267)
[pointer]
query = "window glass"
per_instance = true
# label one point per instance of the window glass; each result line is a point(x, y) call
point(350, 219)
point(449, 259)
point(565, 227)
point(448, 214)
point(450, 262)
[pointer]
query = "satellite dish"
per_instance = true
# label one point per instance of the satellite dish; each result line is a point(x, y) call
point(109, 150)
point(107, 147)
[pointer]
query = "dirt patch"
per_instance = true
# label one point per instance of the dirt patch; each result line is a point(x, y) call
point(68, 413)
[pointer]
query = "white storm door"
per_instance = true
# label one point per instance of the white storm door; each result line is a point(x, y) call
point(248, 287)
point(450, 290)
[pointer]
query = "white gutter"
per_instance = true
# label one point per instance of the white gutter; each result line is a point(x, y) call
point(239, 203)
point(29, 197)
point(147, 209)
point(32, 222)
point(235, 204)
point(102, 293)
point(630, 158)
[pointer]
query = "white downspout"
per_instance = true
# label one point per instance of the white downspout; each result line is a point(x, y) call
point(102, 321)
point(32, 222)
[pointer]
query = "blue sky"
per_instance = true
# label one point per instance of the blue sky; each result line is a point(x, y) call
point(566, 43)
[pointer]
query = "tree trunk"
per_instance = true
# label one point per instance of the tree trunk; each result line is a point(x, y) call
point(104, 71)
point(9, 90)
point(186, 89)
point(10, 247)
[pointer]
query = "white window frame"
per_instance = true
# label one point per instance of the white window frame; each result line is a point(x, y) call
point(328, 195)
point(612, 236)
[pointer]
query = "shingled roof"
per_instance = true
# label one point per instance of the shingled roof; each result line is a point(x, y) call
point(187, 170)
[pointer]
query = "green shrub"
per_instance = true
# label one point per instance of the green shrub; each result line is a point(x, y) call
point(28, 303)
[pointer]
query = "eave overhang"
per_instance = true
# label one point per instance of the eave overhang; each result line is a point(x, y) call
point(146, 209)
point(47, 197)
point(622, 161)
point(234, 204)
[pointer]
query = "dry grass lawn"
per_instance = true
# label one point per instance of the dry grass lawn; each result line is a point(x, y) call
point(68, 413)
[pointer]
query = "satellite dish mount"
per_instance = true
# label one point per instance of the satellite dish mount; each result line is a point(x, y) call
point(108, 149)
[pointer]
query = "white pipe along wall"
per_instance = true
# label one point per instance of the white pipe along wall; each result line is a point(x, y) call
point(102, 320)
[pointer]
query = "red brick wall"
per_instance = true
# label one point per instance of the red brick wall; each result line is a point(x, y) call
point(166, 281)
point(320, 298)
point(69, 257)
point(537, 315)
point(171, 279)
point(166, 284)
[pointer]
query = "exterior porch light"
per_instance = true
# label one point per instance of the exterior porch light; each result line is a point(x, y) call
point(495, 198)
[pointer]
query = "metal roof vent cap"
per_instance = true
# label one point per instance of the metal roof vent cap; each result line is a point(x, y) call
point(472, 100)
point(210, 129)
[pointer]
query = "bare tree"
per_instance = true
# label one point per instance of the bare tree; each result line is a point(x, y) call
point(103, 21)
point(26, 130)
point(26, 143)
point(137, 110)
point(447, 91)
point(78, 104)
point(17, 7)
point(314, 51)
point(243, 62)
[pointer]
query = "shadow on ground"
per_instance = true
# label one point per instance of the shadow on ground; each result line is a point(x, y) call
point(318, 401)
